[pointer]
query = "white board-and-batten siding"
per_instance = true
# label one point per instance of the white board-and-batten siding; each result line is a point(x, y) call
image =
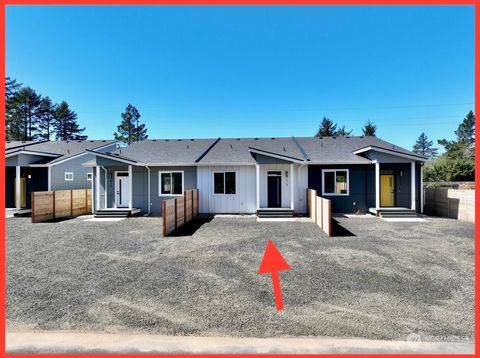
point(242, 202)
point(300, 182)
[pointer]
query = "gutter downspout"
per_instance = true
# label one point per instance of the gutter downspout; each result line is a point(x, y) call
point(106, 185)
point(148, 190)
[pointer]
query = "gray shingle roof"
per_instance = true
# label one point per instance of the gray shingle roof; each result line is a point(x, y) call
point(166, 151)
point(9, 145)
point(236, 150)
point(340, 149)
point(64, 149)
point(239, 150)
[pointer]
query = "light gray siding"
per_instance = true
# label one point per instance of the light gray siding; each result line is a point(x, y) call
point(75, 166)
point(140, 186)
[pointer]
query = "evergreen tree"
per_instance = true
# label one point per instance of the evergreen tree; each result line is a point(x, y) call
point(343, 132)
point(424, 147)
point(327, 128)
point(13, 125)
point(466, 130)
point(464, 146)
point(25, 113)
point(369, 129)
point(47, 117)
point(129, 130)
point(65, 124)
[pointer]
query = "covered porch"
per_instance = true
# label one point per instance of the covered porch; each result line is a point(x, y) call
point(113, 186)
point(281, 183)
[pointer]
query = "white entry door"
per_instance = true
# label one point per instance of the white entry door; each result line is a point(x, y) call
point(122, 189)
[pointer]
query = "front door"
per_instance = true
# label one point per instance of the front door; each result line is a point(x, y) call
point(23, 192)
point(387, 190)
point(274, 189)
point(122, 189)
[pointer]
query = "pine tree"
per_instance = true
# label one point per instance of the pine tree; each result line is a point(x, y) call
point(129, 130)
point(466, 130)
point(369, 129)
point(424, 147)
point(65, 124)
point(13, 123)
point(343, 132)
point(25, 114)
point(46, 120)
point(327, 128)
point(464, 146)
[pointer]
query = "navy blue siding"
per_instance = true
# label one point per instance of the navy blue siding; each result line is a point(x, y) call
point(361, 190)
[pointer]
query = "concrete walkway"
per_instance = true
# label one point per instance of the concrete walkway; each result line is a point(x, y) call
point(73, 342)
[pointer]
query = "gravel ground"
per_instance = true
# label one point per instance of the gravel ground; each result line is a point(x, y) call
point(387, 281)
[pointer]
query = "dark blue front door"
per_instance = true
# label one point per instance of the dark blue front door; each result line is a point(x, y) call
point(274, 189)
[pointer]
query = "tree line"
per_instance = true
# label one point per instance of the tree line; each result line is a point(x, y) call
point(31, 116)
point(456, 164)
point(328, 128)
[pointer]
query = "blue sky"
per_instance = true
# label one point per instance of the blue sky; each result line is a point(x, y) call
point(250, 71)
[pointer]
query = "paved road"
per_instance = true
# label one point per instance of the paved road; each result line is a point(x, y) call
point(68, 342)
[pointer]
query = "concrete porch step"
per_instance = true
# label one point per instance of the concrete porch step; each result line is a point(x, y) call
point(116, 213)
point(275, 213)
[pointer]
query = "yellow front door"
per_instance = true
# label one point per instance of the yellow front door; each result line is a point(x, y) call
point(23, 192)
point(387, 191)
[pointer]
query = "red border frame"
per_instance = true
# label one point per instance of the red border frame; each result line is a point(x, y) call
point(228, 2)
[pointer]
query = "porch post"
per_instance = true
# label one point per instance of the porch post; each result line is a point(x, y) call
point(17, 187)
point(413, 187)
point(422, 191)
point(97, 191)
point(292, 191)
point(106, 188)
point(257, 186)
point(130, 187)
point(93, 198)
point(377, 185)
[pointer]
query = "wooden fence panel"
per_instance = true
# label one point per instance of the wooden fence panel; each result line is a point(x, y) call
point(168, 216)
point(79, 202)
point(327, 216)
point(180, 211)
point(188, 206)
point(320, 211)
point(89, 200)
point(43, 206)
point(195, 202)
point(63, 204)
point(319, 214)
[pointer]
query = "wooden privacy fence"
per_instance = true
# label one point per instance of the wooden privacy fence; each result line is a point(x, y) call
point(320, 211)
point(450, 203)
point(49, 205)
point(179, 211)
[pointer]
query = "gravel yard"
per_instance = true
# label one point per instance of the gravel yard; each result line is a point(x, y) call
point(387, 281)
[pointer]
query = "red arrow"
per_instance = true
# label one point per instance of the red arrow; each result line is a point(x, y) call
point(273, 262)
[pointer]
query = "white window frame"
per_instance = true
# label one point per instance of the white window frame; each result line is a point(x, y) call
point(335, 181)
point(223, 172)
point(65, 176)
point(89, 176)
point(160, 172)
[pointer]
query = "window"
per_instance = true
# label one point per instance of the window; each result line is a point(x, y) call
point(69, 176)
point(224, 183)
point(171, 183)
point(89, 176)
point(335, 182)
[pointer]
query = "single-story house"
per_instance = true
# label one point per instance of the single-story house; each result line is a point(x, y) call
point(47, 165)
point(258, 175)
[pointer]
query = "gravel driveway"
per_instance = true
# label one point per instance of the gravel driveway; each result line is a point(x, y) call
point(387, 281)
